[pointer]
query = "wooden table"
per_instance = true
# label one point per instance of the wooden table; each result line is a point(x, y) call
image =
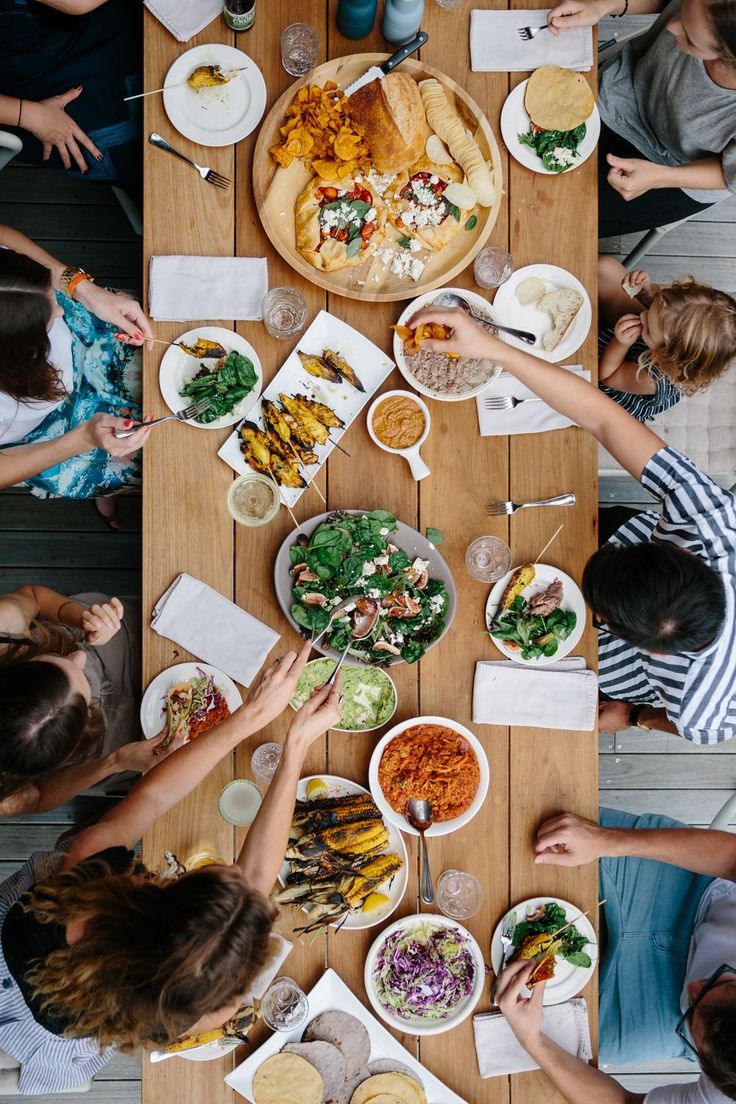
point(534, 773)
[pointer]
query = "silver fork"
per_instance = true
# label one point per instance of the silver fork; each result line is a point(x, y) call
point(528, 33)
point(184, 415)
point(507, 941)
point(498, 509)
point(505, 402)
point(207, 174)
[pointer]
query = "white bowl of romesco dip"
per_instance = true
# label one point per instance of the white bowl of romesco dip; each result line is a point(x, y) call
point(398, 422)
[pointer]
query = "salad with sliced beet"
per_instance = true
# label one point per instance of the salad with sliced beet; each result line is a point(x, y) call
point(424, 972)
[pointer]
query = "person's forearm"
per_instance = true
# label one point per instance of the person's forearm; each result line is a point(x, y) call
point(613, 357)
point(20, 243)
point(51, 606)
point(656, 718)
point(263, 851)
point(706, 174)
point(578, 1082)
point(11, 108)
point(23, 461)
point(698, 849)
point(71, 781)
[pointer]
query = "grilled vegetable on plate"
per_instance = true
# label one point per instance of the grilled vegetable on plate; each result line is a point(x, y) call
point(535, 614)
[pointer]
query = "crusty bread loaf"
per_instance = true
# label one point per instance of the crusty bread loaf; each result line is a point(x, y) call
point(392, 114)
point(561, 306)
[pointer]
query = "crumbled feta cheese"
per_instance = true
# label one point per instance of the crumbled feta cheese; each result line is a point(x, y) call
point(436, 602)
point(420, 565)
point(379, 181)
point(414, 245)
point(368, 569)
point(384, 531)
point(396, 638)
point(563, 156)
point(416, 269)
point(371, 215)
point(381, 561)
point(434, 179)
point(374, 592)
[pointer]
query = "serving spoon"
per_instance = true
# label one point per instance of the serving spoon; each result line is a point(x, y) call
point(420, 816)
point(452, 299)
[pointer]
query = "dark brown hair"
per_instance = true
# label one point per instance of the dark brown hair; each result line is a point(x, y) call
point(25, 371)
point(723, 19)
point(718, 1052)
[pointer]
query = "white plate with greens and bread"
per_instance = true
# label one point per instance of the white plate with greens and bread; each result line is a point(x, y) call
point(551, 303)
point(381, 196)
point(550, 123)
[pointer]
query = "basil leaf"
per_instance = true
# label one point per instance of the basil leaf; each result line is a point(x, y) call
point(434, 536)
point(453, 210)
point(472, 222)
point(353, 247)
point(405, 242)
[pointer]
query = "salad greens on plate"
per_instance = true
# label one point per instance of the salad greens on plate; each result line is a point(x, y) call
point(534, 634)
point(548, 920)
point(225, 385)
point(425, 971)
point(557, 149)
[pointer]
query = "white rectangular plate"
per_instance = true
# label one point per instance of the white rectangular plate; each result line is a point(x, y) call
point(371, 365)
point(332, 994)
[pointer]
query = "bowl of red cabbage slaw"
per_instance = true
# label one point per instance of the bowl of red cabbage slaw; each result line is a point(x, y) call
point(424, 974)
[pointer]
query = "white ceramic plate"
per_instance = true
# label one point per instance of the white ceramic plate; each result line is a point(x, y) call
point(370, 364)
point(513, 313)
point(417, 1026)
point(446, 826)
point(394, 890)
point(478, 303)
point(568, 980)
point(572, 599)
point(178, 368)
point(332, 994)
point(218, 116)
point(515, 121)
point(153, 709)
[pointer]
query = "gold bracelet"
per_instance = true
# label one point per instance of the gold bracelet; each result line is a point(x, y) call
point(71, 277)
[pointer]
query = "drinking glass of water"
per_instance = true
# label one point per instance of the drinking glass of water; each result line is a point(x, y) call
point(487, 559)
point(492, 266)
point(284, 1006)
point(458, 894)
point(450, 5)
point(264, 762)
point(299, 49)
point(284, 312)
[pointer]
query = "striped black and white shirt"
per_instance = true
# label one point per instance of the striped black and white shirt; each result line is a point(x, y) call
point(696, 689)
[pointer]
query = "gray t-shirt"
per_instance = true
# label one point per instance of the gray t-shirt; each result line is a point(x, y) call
point(664, 103)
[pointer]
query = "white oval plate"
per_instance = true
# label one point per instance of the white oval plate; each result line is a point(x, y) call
point(515, 121)
point(568, 980)
point(513, 313)
point(178, 368)
point(446, 826)
point(420, 1027)
point(153, 712)
point(478, 303)
point(222, 115)
point(395, 890)
point(572, 599)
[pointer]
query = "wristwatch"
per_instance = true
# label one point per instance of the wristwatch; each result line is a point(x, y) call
point(71, 278)
point(634, 714)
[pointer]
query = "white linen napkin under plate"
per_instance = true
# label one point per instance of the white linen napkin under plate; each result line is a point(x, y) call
point(499, 1052)
point(184, 18)
point(560, 695)
point(183, 289)
point(495, 45)
point(528, 417)
point(213, 628)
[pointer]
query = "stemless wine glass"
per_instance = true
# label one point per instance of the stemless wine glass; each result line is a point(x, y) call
point(450, 5)
point(458, 894)
point(299, 49)
point(487, 559)
point(492, 266)
point(264, 762)
point(253, 499)
point(284, 312)
point(284, 1006)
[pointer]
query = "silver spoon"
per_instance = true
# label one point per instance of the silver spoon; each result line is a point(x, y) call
point(451, 299)
point(419, 814)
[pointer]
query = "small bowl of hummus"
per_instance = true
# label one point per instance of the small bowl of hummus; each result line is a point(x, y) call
point(398, 422)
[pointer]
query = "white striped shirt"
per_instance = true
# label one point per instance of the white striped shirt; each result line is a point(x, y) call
point(696, 689)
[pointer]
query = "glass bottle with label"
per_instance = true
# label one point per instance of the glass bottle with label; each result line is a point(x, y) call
point(240, 15)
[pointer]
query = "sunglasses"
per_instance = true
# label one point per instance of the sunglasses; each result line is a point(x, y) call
point(686, 1018)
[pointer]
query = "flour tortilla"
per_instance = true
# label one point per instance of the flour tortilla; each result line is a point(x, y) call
point(389, 1085)
point(326, 1059)
point(287, 1079)
point(347, 1034)
point(557, 98)
point(391, 1065)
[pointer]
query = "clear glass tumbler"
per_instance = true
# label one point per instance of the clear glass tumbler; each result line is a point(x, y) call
point(239, 802)
point(299, 49)
point(284, 312)
point(450, 5)
point(284, 1006)
point(458, 894)
point(253, 499)
point(492, 267)
point(487, 559)
point(263, 763)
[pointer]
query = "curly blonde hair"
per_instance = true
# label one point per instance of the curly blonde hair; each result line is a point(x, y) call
point(699, 335)
point(156, 954)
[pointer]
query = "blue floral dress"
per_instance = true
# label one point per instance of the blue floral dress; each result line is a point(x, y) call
point(106, 380)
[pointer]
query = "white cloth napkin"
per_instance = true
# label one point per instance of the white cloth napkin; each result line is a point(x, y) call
point(279, 950)
point(499, 1052)
point(530, 417)
point(221, 288)
point(559, 695)
point(184, 18)
point(213, 628)
point(495, 45)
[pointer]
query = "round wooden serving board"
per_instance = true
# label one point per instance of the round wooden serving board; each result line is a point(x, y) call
point(277, 189)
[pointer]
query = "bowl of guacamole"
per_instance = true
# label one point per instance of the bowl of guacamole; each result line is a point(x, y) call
point(369, 694)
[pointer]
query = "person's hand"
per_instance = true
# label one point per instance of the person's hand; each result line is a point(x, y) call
point(101, 622)
point(99, 432)
point(271, 693)
point(569, 840)
point(119, 310)
point(631, 177)
point(318, 713)
point(142, 755)
point(467, 339)
point(613, 715)
point(628, 329)
point(575, 13)
point(636, 278)
point(525, 1015)
point(48, 121)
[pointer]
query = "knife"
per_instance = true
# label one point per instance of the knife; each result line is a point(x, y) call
point(378, 72)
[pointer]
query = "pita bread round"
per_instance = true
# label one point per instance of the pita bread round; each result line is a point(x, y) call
point(287, 1079)
point(557, 98)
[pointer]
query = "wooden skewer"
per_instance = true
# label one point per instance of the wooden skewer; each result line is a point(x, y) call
point(342, 450)
point(155, 91)
point(305, 473)
point(281, 500)
point(549, 542)
point(556, 935)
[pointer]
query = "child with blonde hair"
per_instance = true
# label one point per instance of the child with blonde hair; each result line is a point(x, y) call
point(658, 343)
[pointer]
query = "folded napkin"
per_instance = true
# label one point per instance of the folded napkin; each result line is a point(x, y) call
point(529, 417)
point(221, 288)
point(559, 695)
point(214, 629)
point(495, 45)
point(500, 1053)
point(279, 950)
point(184, 18)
